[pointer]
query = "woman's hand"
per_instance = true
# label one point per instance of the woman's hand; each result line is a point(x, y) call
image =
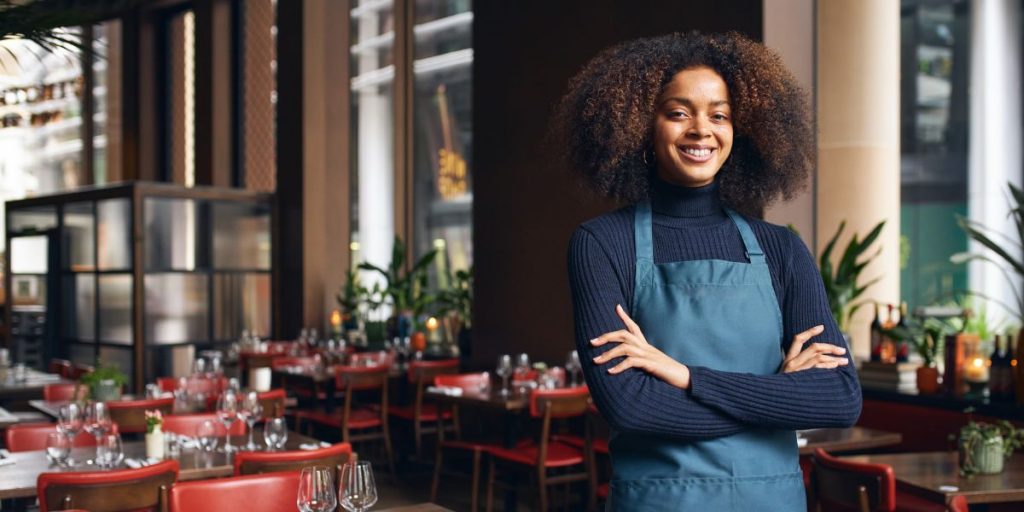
point(638, 353)
point(817, 355)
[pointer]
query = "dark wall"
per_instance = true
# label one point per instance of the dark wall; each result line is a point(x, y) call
point(524, 207)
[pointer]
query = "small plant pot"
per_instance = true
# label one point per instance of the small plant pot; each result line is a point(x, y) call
point(106, 391)
point(985, 455)
point(928, 380)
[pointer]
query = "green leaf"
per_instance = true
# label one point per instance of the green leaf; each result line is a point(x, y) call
point(983, 239)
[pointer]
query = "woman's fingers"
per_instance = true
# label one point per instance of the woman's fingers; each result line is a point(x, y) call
point(800, 339)
point(622, 350)
point(631, 326)
point(619, 336)
point(811, 356)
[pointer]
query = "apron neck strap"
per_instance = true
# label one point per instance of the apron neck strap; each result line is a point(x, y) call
point(754, 252)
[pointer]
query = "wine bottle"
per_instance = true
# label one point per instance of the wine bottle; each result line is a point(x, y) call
point(902, 349)
point(876, 336)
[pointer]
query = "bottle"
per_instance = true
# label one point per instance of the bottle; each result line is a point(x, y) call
point(1001, 372)
point(888, 350)
point(876, 336)
point(903, 349)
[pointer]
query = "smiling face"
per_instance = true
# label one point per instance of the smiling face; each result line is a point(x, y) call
point(692, 128)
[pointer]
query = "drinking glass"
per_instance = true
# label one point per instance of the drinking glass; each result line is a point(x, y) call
point(357, 490)
point(58, 447)
point(572, 365)
point(69, 419)
point(109, 451)
point(206, 434)
point(504, 370)
point(97, 421)
point(199, 366)
point(251, 412)
point(316, 490)
point(275, 433)
point(227, 413)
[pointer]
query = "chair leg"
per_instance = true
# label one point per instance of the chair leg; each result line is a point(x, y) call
point(437, 475)
point(476, 479)
point(490, 485)
point(542, 483)
point(417, 435)
point(390, 454)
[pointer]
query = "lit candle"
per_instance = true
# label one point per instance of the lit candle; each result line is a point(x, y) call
point(336, 322)
point(976, 370)
point(433, 335)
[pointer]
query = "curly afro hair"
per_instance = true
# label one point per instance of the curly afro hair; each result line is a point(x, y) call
point(605, 120)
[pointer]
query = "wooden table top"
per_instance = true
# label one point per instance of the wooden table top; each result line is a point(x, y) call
point(491, 399)
point(320, 375)
point(18, 480)
point(936, 475)
point(846, 439)
point(31, 387)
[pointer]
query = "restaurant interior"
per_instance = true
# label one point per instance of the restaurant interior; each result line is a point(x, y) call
point(311, 254)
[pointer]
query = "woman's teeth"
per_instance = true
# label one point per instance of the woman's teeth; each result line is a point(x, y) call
point(697, 152)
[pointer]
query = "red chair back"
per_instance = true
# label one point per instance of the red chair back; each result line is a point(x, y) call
point(29, 437)
point(65, 392)
point(466, 381)
point(167, 384)
point(286, 361)
point(251, 463)
point(425, 371)
point(370, 358)
point(78, 370)
point(130, 415)
point(270, 492)
point(560, 403)
point(186, 424)
point(361, 378)
point(61, 367)
point(273, 403)
point(122, 489)
point(843, 485)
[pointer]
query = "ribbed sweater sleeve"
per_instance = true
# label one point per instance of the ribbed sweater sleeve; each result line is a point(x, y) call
point(633, 401)
point(805, 399)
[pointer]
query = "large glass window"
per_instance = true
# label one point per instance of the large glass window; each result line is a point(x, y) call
point(934, 69)
point(179, 98)
point(442, 141)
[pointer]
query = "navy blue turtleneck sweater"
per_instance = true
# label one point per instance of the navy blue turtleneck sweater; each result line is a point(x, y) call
point(690, 224)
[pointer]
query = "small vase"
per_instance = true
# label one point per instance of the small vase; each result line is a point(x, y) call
point(928, 380)
point(986, 455)
point(106, 391)
point(155, 444)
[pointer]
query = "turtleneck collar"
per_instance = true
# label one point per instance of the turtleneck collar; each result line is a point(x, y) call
point(679, 201)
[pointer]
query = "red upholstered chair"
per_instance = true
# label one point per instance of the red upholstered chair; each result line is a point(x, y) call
point(130, 415)
point(468, 382)
point(28, 437)
point(167, 384)
point(101, 491)
point(78, 370)
point(843, 485)
point(186, 424)
point(251, 463)
point(369, 420)
point(421, 374)
point(273, 403)
point(546, 454)
point(64, 392)
point(270, 492)
point(61, 367)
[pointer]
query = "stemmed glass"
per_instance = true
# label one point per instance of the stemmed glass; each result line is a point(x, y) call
point(109, 451)
point(275, 433)
point(206, 434)
point(97, 421)
point(316, 490)
point(227, 413)
point(504, 370)
point(58, 447)
point(572, 365)
point(251, 412)
point(69, 422)
point(357, 490)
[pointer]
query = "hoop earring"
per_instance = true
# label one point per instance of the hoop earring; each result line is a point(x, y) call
point(644, 158)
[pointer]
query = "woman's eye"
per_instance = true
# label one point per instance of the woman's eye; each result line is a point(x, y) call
point(720, 117)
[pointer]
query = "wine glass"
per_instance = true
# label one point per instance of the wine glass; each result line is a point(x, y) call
point(572, 365)
point(316, 490)
point(227, 413)
point(97, 421)
point(69, 422)
point(357, 490)
point(275, 433)
point(58, 447)
point(207, 433)
point(109, 451)
point(504, 370)
point(251, 412)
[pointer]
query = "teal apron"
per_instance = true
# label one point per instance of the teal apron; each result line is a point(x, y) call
point(722, 315)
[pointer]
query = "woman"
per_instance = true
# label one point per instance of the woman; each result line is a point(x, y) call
point(706, 335)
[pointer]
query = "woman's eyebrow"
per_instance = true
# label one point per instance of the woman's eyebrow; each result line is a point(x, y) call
point(689, 102)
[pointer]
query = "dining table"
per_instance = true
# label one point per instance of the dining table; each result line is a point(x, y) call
point(845, 439)
point(936, 476)
point(18, 480)
point(319, 381)
point(30, 387)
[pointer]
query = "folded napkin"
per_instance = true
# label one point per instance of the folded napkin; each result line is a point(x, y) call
point(314, 446)
point(801, 441)
point(139, 463)
point(446, 390)
point(5, 458)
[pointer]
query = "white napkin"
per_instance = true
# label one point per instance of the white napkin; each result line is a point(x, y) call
point(5, 458)
point(801, 441)
point(139, 463)
point(314, 446)
point(446, 390)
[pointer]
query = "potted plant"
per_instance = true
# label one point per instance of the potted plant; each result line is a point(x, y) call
point(154, 435)
point(457, 303)
point(104, 383)
point(983, 447)
point(1003, 259)
point(841, 281)
point(926, 339)
point(405, 287)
